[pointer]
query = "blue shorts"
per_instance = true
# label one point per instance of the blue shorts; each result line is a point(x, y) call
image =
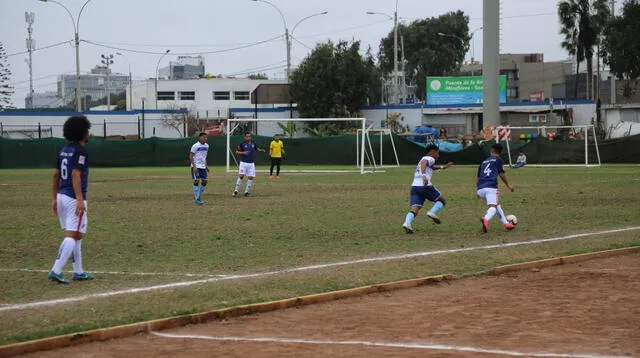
point(421, 193)
point(201, 175)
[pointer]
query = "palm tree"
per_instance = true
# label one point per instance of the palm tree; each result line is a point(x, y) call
point(582, 23)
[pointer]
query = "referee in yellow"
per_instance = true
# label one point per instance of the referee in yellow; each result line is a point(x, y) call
point(276, 152)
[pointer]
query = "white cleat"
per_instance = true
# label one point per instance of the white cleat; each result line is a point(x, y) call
point(434, 217)
point(407, 228)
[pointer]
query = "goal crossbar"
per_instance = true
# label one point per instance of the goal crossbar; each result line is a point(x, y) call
point(361, 146)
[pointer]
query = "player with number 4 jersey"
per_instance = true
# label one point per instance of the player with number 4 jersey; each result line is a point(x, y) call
point(70, 180)
point(489, 171)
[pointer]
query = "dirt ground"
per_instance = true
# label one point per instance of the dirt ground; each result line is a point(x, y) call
point(591, 309)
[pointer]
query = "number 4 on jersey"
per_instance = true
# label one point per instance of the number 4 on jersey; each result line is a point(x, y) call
point(487, 170)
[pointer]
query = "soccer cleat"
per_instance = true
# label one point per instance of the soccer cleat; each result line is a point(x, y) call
point(407, 228)
point(509, 226)
point(235, 193)
point(270, 176)
point(277, 177)
point(82, 276)
point(433, 217)
point(485, 224)
point(59, 278)
point(247, 194)
point(199, 201)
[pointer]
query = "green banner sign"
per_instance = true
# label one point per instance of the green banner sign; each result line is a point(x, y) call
point(460, 90)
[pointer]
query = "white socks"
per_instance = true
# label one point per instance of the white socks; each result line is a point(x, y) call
point(501, 215)
point(77, 257)
point(490, 213)
point(248, 187)
point(66, 249)
point(238, 182)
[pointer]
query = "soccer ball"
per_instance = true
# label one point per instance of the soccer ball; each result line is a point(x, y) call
point(512, 219)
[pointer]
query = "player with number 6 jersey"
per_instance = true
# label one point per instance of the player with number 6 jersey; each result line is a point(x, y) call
point(422, 189)
point(70, 181)
point(489, 171)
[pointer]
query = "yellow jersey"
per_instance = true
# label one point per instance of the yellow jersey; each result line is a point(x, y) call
point(276, 149)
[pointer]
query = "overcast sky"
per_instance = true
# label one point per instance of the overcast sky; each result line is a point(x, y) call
point(190, 26)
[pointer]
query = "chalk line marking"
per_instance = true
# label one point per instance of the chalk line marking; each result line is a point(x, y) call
point(119, 273)
point(22, 306)
point(424, 346)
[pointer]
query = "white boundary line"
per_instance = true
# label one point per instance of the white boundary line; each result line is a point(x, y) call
point(118, 273)
point(22, 306)
point(424, 346)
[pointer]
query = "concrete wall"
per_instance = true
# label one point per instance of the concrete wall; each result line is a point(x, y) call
point(621, 121)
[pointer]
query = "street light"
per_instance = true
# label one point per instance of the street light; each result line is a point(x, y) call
point(158, 66)
point(107, 60)
point(473, 44)
point(130, 81)
point(76, 29)
point(288, 34)
point(395, 48)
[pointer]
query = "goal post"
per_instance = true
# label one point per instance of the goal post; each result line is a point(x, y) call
point(379, 135)
point(566, 139)
point(234, 123)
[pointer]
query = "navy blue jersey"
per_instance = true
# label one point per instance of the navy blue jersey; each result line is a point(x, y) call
point(73, 156)
point(251, 147)
point(489, 171)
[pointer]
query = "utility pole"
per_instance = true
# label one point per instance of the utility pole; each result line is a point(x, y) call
point(491, 61)
point(613, 78)
point(403, 91)
point(31, 46)
point(395, 55)
point(107, 60)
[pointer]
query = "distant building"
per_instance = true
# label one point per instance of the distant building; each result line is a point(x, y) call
point(529, 78)
point(93, 85)
point(186, 67)
point(211, 98)
point(48, 99)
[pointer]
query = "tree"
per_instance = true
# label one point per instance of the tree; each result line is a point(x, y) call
point(334, 81)
point(6, 90)
point(289, 129)
point(258, 76)
point(621, 46)
point(582, 23)
point(426, 52)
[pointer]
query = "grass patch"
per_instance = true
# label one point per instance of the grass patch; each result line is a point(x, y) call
point(144, 220)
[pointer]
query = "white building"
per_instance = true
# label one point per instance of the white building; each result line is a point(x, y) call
point(185, 67)
point(47, 99)
point(207, 98)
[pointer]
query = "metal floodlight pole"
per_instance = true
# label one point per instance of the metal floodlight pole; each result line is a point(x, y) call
point(156, 81)
point(107, 60)
point(130, 81)
point(76, 29)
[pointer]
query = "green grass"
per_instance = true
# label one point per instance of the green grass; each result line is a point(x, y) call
point(144, 220)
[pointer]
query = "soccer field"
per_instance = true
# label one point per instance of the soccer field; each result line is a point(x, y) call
point(145, 232)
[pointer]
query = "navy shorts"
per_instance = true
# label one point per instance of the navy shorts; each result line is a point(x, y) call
point(201, 175)
point(421, 193)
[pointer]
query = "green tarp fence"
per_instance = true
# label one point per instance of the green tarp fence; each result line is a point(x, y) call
point(337, 150)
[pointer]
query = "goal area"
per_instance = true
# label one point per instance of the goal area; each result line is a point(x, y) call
point(333, 146)
point(560, 146)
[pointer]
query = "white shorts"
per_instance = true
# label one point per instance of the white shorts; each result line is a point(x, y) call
point(490, 195)
point(69, 221)
point(248, 169)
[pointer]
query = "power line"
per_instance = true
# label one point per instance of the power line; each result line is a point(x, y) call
point(301, 43)
point(345, 29)
point(272, 66)
point(164, 46)
point(185, 53)
point(40, 48)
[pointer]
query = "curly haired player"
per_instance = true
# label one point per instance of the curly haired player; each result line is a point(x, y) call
point(487, 185)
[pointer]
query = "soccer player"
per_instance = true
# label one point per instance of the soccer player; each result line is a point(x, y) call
point(487, 184)
point(199, 167)
point(422, 189)
point(276, 152)
point(246, 150)
point(69, 202)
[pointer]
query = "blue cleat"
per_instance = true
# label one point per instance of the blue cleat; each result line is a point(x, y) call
point(82, 276)
point(199, 201)
point(59, 278)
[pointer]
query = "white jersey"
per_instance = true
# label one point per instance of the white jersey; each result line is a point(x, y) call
point(199, 152)
point(417, 176)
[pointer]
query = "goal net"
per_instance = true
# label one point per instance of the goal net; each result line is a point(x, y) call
point(330, 145)
point(544, 146)
point(379, 148)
